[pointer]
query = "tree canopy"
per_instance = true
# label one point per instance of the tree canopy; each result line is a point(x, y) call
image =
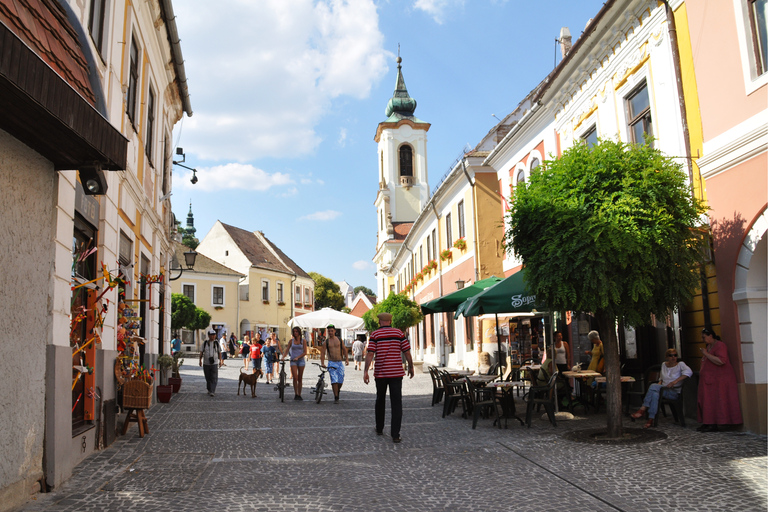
point(201, 320)
point(327, 293)
point(364, 289)
point(609, 229)
point(182, 311)
point(405, 312)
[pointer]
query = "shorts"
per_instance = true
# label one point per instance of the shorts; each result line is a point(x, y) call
point(256, 363)
point(223, 356)
point(359, 359)
point(336, 371)
point(270, 365)
point(299, 362)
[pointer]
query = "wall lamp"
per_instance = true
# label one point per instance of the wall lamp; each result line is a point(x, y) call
point(189, 259)
point(93, 180)
point(180, 163)
point(459, 284)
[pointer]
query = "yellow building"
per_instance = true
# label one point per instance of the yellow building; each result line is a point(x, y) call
point(212, 287)
point(274, 288)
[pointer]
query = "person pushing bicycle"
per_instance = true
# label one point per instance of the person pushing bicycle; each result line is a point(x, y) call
point(336, 351)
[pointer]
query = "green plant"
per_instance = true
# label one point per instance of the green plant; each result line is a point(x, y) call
point(460, 244)
point(177, 362)
point(165, 362)
point(446, 255)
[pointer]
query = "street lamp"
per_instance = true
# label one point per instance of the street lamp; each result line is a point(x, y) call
point(189, 259)
point(180, 151)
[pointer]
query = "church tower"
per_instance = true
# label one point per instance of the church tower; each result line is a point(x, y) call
point(403, 182)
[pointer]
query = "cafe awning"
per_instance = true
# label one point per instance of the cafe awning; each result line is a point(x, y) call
point(507, 296)
point(450, 302)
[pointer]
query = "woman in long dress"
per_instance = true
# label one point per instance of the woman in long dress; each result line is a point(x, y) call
point(718, 402)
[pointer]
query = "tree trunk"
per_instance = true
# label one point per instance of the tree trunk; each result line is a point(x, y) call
point(607, 325)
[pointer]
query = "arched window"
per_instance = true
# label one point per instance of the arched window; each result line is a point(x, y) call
point(406, 160)
point(535, 163)
point(520, 176)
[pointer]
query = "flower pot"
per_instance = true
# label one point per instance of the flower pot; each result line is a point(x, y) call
point(164, 393)
point(175, 382)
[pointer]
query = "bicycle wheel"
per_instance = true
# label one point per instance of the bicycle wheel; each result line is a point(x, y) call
point(319, 390)
point(282, 386)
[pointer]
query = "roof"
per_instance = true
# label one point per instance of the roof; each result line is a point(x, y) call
point(262, 253)
point(203, 264)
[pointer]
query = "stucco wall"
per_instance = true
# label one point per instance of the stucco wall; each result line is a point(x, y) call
point(28, 183)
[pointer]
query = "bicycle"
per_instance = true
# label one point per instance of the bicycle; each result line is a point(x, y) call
point(319, 390)
point(281, 385)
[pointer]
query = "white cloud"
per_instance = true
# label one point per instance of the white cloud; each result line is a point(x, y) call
point(321, 216)
point(437, 8)
point(265, 82)
point(233, 176)
point(362, 265)
point(342, 137)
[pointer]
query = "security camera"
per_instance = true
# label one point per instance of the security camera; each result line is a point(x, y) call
point(194, 179)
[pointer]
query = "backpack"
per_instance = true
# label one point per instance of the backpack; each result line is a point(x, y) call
point(245, 349)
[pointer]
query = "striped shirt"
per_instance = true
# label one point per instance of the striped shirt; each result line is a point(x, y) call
point(388, 344)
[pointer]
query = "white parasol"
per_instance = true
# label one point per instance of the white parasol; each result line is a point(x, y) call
point(322, 318)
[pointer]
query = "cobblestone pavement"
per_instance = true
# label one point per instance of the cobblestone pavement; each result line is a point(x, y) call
point(232, 452)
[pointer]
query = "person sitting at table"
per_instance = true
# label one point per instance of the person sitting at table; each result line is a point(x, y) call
point(671, 377)
point(546, 370)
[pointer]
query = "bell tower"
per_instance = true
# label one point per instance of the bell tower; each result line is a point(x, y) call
point(403, 181)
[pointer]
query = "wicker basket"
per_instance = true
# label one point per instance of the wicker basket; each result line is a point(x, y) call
point(137, 394)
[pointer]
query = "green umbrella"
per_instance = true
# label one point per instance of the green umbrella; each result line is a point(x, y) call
point(507, 296)
point(450, 302)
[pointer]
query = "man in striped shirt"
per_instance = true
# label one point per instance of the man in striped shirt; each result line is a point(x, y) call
point(388, 344)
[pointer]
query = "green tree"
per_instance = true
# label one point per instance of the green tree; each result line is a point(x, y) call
point(201, 320)
point(405, 312)
point(187, 238)
point(364, 289)
point(327, 293)
point(182, 311)
point(611, 230)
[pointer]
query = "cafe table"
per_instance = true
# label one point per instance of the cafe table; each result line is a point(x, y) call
point(625, 379)
point(458, 373)
point(507, 398)
point(579, 377)
point(482, 380)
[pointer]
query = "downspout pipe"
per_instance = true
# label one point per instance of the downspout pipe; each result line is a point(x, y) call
point(178, 60)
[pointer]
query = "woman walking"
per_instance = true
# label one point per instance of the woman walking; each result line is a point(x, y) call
point(297, 349)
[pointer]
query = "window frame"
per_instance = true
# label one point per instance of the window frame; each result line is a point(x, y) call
point(406, 170)
point(214, 289)
point(297, 297)
point(193, 286)
point(280, 292)
point(460, 219)
point(131, 95)
point(587, 134)
point(448, 231)
point(645, 116)
point(96, 25)
point(265, 289)
point(150, 126)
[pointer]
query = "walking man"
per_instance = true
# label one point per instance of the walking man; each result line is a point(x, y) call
point(336, 351)
point(210, 355)
point(389, 343)
point(357, 351)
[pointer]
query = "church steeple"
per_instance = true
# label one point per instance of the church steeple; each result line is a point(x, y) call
point(190, 229)
point(400, 103)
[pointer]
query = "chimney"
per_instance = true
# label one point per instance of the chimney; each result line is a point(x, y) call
point(565, 41)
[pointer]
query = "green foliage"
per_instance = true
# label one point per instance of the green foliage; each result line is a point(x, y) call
point(178, 360)
point(201, 321)
point(346, 310)
point(182, 311)
point(327, 293)
point(165, 362)
point(611, 228)
point(187, 237)
point(364, 289)
point(405, 312)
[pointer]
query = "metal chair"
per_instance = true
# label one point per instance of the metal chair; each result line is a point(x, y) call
point(544, 396)
point(483, 402)
point(437, 385)
point(455, 392)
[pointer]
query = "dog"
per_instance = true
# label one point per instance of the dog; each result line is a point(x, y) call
point(250, 379)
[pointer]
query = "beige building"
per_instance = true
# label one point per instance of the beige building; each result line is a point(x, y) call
point(274, 288)
point(212, 287)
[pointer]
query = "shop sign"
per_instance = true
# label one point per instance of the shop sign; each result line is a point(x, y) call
point(522, 300)
point(87, 206)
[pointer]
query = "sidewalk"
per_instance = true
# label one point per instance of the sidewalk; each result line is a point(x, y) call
point(237, 453)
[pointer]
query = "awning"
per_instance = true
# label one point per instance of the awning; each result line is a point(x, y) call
point(507, 296)
point(453, 300)
point(43, 111)
point(322, 318)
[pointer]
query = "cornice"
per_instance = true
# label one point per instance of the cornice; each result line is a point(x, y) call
point(393, 126)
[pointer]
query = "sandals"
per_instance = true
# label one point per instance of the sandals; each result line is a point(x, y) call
point(637, 414)
point(648, 424)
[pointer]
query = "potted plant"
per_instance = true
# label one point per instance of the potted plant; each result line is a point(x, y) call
point(175, 379)
point(460, 244)
point(165, 363)
point(446, 255)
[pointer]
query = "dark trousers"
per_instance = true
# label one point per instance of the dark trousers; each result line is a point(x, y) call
point(395, 399)
point(211, 372)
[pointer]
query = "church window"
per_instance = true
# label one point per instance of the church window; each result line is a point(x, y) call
point(406, 160)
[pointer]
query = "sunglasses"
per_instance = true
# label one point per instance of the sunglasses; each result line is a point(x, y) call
point(672, 355)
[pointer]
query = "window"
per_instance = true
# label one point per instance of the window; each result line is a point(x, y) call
point(166, 163)
point(126, 252)
point(462, 233)
point(307, 296)
point(96, 24)
point(133, 81)
point(429, 248)
point(535, 163)
point(448, 234)
point(218, 295)
point(421, 256)
point(280, 295)
point(406, 160)
point(265, 290)
point(520, 176)
point(434, 244)
point(189, 291)
point(758, 14)
point(590, 137)
point(150, 125)
point(639, 115)
point(297, 295)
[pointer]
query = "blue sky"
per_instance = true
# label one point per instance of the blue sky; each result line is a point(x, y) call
point(286, 96)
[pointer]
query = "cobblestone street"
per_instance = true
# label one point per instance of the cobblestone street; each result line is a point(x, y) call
point(232, 452)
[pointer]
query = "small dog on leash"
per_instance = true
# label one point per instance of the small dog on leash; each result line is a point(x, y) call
point(250, 379)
